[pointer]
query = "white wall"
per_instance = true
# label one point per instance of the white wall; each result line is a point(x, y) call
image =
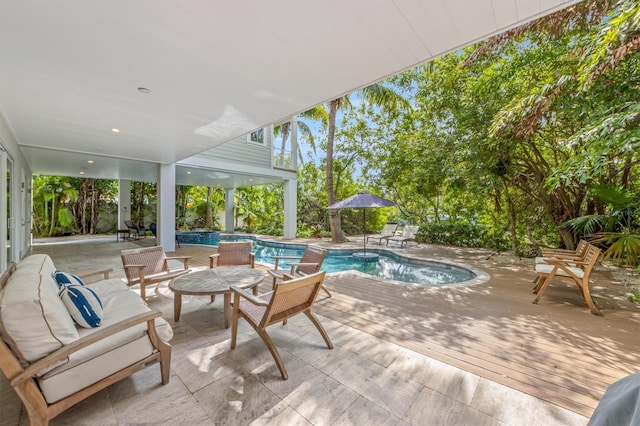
point(21, 196)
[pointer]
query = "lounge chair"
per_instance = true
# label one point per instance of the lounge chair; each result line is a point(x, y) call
point(289, 298)
point(389, 230)
point(574, 271)
point(137, 230)
point(309, 263)
point(408, 234)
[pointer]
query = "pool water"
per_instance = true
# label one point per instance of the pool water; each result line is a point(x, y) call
point(389, 266)
point(386, 268)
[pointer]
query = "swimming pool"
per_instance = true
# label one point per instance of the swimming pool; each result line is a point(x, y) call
point(390, 267)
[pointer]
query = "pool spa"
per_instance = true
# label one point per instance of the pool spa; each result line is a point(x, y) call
point(389, 267)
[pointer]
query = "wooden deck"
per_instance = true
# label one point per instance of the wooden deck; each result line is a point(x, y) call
point(556, 351)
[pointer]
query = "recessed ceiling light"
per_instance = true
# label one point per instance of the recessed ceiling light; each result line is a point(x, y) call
point(115, 130)
point(144, 90)
point(81, 173)
point(188, 173)
point(90, 161)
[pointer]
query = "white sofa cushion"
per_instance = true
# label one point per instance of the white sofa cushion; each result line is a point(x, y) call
point(38, 263)
point(33, 319)
point(103, 358)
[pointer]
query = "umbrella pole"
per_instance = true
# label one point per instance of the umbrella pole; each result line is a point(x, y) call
point(364, 232)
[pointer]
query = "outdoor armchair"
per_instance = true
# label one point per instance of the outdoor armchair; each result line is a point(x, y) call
point(150, 265)
point(309, 263)
point(573, 271)
point(289, 298)
point(233, 253)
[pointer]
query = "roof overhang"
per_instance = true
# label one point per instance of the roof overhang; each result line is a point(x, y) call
point(70, 71)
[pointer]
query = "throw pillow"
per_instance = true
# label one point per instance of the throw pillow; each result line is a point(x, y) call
point(83, 304)
point(65, 278)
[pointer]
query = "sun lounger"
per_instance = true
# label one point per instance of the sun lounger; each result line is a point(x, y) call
point(389, 230)
point(408, 234)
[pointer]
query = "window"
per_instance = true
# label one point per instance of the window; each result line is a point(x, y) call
point(257, 137)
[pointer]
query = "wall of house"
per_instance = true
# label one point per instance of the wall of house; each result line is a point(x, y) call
point(240, 150)
point(20, 184)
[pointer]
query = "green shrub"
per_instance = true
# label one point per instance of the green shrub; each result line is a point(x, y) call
point(528, 250)
point(461, 235)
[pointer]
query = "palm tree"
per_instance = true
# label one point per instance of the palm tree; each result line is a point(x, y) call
point(377, 95)
point(316, 113)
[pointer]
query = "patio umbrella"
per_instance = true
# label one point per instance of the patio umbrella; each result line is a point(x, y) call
point(362, 200)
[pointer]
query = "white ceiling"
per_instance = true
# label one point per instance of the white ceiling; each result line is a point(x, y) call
point(69, 71)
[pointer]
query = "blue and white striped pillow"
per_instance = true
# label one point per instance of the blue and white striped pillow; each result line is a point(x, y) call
point(65, 278)
point(83, 304)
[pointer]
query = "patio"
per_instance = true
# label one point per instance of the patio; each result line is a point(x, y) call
point(403, 354)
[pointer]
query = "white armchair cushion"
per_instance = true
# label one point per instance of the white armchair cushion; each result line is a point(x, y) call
point(83, 304)
point(546, 269)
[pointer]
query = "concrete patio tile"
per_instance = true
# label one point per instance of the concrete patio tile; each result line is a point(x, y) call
point(434, 408)
point(238, 399)
point(370, 347)
point(450, 381)
point(142, 398)
point(321, 399)
point(10, 403)
point(517, 408)
point(381, 386)
point(365, 412)
point(200, 366)
point(96, 410)
point(286, 417)
point(299, 372)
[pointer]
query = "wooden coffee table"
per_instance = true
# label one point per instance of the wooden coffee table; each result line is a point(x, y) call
point(211, 282)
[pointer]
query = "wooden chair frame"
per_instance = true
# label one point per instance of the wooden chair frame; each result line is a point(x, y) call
point(309, 263)
point(562, 271)
point(388, 231)
point(289, 298)
point(233, 253)
point(150, 265)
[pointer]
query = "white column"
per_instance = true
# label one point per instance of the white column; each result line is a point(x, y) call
point(229, 219)
point(294, 143)
point(124, 202)
point(290, 208)
point(166, 231)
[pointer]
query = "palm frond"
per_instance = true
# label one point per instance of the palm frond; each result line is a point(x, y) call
point(624, 247)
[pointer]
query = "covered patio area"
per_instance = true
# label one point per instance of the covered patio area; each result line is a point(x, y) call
point(403, 354)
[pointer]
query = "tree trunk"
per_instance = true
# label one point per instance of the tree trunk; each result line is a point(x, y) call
point(285, 136)
point(208, 211)
point(337, 235)
point(95, 196)
point(512, 219)
point(53, 216)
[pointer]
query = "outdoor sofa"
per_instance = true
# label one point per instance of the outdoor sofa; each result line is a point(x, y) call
point(50, 361)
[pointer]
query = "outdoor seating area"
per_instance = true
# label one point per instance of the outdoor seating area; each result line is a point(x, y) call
point(482, 354)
